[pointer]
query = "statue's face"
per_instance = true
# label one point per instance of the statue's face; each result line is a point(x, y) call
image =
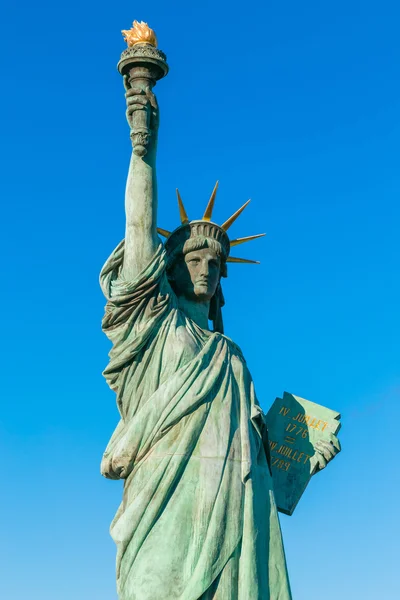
point(197, 274)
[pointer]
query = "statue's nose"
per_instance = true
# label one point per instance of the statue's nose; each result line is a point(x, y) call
point(204, 268)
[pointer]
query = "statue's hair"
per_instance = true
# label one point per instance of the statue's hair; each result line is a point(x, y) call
point(198, 243)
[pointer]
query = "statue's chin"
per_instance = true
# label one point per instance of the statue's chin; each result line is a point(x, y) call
point(202, 295)
point(198, 293)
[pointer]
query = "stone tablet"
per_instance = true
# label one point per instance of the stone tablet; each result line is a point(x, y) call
point(294, 426)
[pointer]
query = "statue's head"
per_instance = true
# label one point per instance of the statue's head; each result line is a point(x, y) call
point(197, 253)
point(196, 267)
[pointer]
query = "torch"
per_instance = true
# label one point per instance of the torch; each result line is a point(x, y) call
point(141, 65)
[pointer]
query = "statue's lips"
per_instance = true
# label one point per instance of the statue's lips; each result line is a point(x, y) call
point(204, 282)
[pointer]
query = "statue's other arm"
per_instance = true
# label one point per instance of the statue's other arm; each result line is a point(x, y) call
point(141, 240)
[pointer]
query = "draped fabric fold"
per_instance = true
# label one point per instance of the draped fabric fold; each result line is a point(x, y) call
point(198, 519)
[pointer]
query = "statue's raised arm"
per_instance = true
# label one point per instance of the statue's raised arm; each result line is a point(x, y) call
point(141, 65)
point(141, 239)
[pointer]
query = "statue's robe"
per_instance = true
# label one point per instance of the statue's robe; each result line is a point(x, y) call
point(198, 520)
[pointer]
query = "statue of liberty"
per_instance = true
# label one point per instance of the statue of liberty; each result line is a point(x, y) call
point(198, 520)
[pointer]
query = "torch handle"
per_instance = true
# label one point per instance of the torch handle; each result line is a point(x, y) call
point(141, 78)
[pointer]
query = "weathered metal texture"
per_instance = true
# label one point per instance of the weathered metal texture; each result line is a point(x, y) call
point(300, 433)
point(142, 66)
point(198, 518)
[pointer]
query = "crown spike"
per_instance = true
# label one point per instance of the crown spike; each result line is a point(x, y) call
point(182, 211)
point(243, 240)
point(163, 232)
point(232, 259)
point(233, 218)
point(208, 212)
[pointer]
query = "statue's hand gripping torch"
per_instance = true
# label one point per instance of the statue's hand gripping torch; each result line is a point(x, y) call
point(142, 116)
point(142, 65)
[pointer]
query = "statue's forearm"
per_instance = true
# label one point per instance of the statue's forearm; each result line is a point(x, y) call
point(141, 213)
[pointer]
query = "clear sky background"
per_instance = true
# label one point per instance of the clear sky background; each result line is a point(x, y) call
point(293, 104)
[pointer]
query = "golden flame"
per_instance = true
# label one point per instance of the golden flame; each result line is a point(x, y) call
point(139, 34)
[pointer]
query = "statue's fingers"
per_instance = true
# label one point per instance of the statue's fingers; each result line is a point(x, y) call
point(320, 445)
point(326, 443)
point(328, 450)
point(153, 101)
point(151, 97)
point(135, 91)
point(335, 442)
point(137, 100)
point(126, 83)
point(329, 453)
point(332, 447)
point(325, 449)
point(133, 108)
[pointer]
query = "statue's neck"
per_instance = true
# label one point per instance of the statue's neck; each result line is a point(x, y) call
point(197, 311)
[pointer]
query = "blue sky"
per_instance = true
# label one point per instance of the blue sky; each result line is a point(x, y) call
point(293, 104)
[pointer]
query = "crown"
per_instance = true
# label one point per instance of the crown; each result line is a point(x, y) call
point(205, 227)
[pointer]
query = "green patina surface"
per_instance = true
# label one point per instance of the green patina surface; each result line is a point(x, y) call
point(299, 431)
point(198, 518)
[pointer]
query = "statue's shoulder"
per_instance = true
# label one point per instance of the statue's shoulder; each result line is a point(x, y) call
point(233, 347)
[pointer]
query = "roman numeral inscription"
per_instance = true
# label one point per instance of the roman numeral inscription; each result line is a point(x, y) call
point(294, 425)
point(289, 453)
